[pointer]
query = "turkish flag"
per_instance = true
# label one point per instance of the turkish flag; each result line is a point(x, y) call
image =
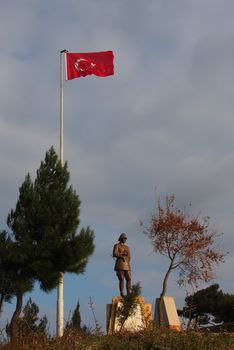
point(82, 64)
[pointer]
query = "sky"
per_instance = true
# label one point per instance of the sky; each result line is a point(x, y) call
point(163, 124)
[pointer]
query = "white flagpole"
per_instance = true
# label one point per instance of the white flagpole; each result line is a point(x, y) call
point(60, 299)
point(61, 104)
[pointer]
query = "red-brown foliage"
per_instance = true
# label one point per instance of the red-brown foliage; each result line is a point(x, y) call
point(188, 242)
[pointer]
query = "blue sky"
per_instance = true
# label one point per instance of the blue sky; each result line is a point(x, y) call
point(163, 124)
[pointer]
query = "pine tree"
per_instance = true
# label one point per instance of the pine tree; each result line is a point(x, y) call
point(30, 321)
point(76, 318)
point(21, 253)
point(209, 305)
point(56, 220)
point(6, 281)
point(44, 225)
point(75, 322)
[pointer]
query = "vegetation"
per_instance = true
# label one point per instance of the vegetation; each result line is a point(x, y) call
point(7, 280)
point(149, 339)
point(209, 305)
point(30, 321)
point(75, 322)
point(43, 241)
point(129, 304)
point(17, 279)
point(188, 243)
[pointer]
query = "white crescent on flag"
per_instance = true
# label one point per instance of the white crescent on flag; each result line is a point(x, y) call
point(83, 67)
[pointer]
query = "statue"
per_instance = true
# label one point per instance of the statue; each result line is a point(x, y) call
point(122, 265)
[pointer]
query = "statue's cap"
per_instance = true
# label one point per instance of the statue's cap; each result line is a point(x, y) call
point(123, 235)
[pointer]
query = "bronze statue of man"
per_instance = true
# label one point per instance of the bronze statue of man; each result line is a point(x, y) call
point(122, 265)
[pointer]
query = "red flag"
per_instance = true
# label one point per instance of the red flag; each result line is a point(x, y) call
point(82, 64)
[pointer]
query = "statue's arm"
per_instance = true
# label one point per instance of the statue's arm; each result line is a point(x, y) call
point(129, 254)
point(116, 253)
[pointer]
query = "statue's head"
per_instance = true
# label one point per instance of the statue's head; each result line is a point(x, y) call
point(123, 236)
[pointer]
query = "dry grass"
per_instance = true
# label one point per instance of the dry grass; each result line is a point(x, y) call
point(151, 339)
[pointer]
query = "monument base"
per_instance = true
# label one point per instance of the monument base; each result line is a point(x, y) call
point(140, 319)
point(170, 316)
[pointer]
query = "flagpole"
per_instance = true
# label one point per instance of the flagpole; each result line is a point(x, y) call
point(61, 105)
point(60, 299)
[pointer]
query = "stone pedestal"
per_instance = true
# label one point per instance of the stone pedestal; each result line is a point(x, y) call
point(170, 316)
point(139, 320)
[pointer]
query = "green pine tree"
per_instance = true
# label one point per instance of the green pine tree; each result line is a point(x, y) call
point(44, 228)
point(21, 253)
point(30, 321)
point(76, 318)
point(6, 285)
point(75, 322)
point(56, 221)
point(209, 305)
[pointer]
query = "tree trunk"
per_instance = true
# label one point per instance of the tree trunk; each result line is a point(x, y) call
point(16, 314)
point(189, 323)
point(189, 320)
point(1, 301)
point(160, 304)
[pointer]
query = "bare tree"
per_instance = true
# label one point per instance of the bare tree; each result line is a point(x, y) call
point(187, 241)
